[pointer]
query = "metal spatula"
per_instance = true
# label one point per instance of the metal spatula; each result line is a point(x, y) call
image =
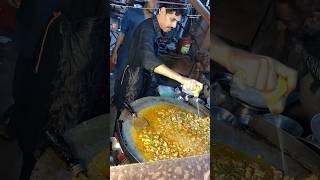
point(138, 122)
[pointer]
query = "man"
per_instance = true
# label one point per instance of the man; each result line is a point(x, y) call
point(131, 19)
point(143, 56)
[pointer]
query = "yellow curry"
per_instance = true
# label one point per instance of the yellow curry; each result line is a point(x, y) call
point(231, 164)
point(172, 133)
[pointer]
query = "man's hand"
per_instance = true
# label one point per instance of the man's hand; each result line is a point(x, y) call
point(14, 3)
point(256, 71)
point(262, 72)
point(114, 55)
point(274, 80)
point(114, 58)
point(192, 84)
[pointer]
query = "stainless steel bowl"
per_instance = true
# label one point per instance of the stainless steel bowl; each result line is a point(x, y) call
point(224, 79)
point(221, 114)
point(285, 123)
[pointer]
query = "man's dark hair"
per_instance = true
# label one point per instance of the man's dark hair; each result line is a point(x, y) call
point(174, 6)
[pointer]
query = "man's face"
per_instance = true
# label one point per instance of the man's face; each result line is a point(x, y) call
point(167, 21)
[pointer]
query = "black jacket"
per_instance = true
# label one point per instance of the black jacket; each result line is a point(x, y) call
point(143, 59)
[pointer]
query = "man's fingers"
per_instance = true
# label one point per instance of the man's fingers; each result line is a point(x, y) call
point(193, 84)
point(113, 60)
point(198, 84)
point(292, 81)
point(262, 76)
point(249, 71)
point(289, 74)
point(272, 76)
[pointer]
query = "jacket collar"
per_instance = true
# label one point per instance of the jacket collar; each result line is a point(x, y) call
point(156, 27)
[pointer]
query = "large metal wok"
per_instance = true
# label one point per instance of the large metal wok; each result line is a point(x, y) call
point(261, 139)
point(124, 123)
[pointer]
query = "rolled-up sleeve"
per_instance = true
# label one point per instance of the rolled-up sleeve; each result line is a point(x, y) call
point(147, 50)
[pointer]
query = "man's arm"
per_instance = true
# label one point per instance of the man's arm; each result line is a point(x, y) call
point(261, 72)
point(123, 30)
point(152, 63)
point(221, 53)
point(166, 71)
point(169, 73)
point(258, 70)
point(114, 54)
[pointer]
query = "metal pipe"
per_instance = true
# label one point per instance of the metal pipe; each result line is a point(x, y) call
point(201, 9)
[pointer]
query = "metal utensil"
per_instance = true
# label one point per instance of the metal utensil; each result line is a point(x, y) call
point(221, 114)
point(138, 122)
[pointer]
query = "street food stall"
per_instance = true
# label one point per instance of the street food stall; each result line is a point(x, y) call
point(173, 135)
point(89, 140)
point(172, 130)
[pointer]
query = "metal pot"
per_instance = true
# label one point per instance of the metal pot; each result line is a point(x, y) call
point(263, 141)
point(224, 79)
point(285, 123)
point(311, 144)
point(237, 107)
point(221, 114)
point(221, 97)
point(124, 123)
point(242, 109)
